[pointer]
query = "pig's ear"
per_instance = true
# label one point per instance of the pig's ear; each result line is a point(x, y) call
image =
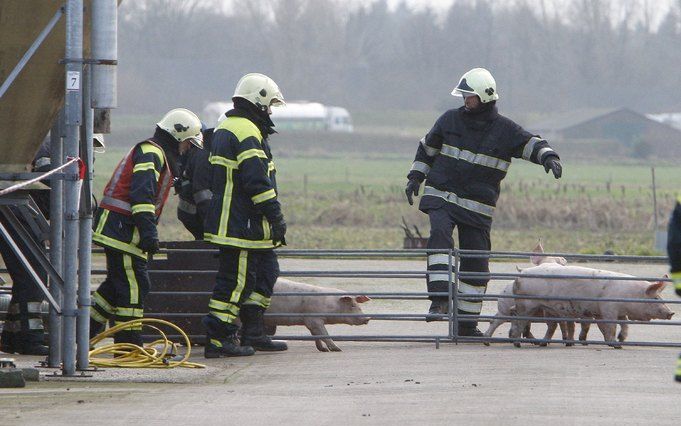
point(539, 248)
point(655, 288)
point(362, 298)
point(536, 260)
point(562, 261)
point(346, 299)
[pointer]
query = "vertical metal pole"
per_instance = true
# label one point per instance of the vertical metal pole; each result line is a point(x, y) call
point(85, 235)
point(56, 219)
point(450, 300)
point(455, 292)
point(73, 111)
point(652, 169)
point(105, 50)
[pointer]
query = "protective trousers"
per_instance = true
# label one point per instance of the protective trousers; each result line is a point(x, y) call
point(23, 324)
point(245, 277)
point(442, 224)
point(121, 296)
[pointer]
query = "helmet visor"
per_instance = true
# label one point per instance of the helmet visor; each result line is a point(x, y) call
point(197, 140)
point(277, 100)
point(463, 89)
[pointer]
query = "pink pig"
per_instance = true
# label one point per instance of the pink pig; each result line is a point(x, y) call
point(506, 306)
point(594, 287)
point(312, 304)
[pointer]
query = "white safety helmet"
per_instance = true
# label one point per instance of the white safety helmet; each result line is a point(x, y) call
point(182, 125)
point(477, 81)
point(260, 90)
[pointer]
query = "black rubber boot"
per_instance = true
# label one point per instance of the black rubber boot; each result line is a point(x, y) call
point(253, 330)
point(31, 343)
point(96, 328)
point(437, 307)
point(221, 340)
point(129, 336)
point(7, 342)
point(469, 329)
point(226, 347)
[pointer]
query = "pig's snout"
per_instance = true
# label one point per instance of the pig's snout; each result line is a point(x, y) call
point(359, 320)
point(670, 314)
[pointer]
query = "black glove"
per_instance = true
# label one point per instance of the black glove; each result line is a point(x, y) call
point(412, 189)
point(278, 232)
point(146, 225)
point(149, 245)
point(272, 211)
point(553, 163)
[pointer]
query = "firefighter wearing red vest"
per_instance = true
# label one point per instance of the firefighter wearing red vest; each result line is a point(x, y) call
point(125, 222)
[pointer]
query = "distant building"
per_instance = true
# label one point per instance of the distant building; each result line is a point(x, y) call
point(617, 132)
point(303, 116)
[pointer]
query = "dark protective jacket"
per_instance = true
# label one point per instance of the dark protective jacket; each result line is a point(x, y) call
point(134, 197)
point(464, 158)
point(674, 245)
point(193, 186)
point(243, 182)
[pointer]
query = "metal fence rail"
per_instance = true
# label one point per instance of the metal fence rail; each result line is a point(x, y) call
point(453, 317)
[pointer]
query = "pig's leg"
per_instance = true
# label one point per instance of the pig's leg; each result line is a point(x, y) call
point(317, 328)
point(550, 330)
point(608, 331)
point(584, 331)
point(567, 331)
point(517, 329)
point(492, 327)
point(519, 326)
point(624, 330)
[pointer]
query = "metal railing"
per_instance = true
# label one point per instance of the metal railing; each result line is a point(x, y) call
point(453, 317)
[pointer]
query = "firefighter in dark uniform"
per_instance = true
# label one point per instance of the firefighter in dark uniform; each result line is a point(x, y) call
point(244, 220)
point(125, 221)
point(674, 253)
point(23, 330)
point(463, 160)
point(193, 186)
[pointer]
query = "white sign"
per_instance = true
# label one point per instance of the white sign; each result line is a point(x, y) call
point(73, 80)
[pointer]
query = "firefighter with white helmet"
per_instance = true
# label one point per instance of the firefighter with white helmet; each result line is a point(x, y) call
point(463, 160)
point(244, 220)
point(125, 221)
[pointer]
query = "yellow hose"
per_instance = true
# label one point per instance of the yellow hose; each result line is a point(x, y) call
point(161, 353)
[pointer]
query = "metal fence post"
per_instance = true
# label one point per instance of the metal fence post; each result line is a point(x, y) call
point(85, 233)
point(455, 291)
point(56, 222)
point(73, 112)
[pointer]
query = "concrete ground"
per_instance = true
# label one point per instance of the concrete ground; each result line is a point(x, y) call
point(380, 383)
